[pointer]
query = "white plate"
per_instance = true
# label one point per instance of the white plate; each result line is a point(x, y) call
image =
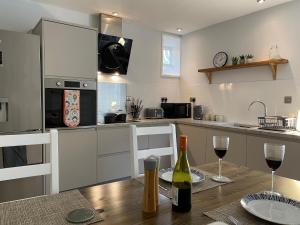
point(166, 175)
point(273, 208)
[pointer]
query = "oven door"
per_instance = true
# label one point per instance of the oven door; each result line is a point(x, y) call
point(54, 108)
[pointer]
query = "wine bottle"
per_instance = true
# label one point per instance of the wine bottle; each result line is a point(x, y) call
point(182, 180)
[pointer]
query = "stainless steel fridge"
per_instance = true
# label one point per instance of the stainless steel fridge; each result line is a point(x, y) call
point(20, 107)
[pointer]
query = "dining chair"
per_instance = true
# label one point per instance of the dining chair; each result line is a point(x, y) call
point(50, 168)
point(137, 154)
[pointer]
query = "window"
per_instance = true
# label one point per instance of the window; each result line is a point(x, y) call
point(171, 55)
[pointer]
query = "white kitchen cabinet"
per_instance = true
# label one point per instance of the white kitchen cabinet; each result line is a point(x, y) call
point(196, 142)
point(237, 147)
point(77, 158)
point(256, 160)
point(68, 50)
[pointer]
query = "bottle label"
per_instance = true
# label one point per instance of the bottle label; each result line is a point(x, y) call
point(175, 195)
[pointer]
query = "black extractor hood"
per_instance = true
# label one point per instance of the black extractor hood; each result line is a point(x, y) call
point(113, 49)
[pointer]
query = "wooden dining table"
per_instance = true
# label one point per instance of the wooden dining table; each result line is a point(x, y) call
point(122, 202)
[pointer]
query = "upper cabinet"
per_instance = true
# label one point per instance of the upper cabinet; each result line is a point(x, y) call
point(68, 50)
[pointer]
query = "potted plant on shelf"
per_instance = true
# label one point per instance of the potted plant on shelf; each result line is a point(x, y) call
point(242, 59)
point(235, 60)
point(249, 58)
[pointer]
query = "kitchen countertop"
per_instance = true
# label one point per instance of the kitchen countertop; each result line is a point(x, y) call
point(292, 135)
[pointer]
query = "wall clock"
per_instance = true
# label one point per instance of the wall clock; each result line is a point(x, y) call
point(220, 59)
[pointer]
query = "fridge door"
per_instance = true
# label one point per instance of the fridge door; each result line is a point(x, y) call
point(20, 81)
point(21, 107)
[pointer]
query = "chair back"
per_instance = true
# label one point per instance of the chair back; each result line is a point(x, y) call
point(50, 168)
point(142, 154)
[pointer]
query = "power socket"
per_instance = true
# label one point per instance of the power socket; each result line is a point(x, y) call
point(192, 99)
point(287, 99)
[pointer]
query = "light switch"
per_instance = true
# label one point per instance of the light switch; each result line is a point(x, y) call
point(287, 99)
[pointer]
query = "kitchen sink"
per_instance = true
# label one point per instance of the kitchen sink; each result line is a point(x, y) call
point(245, 125)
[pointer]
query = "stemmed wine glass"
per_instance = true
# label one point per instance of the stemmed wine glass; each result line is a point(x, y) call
point(221, 144)
point(274, 155)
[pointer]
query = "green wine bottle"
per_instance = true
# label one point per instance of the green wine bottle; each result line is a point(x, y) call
point(182, 180)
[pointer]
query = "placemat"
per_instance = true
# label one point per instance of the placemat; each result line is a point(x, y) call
point(237, 211)
point(46, 210)
point(166, 187)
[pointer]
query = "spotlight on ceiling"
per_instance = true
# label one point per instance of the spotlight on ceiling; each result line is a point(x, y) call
point(115, 13)
point(260, 1)
point(179, 29)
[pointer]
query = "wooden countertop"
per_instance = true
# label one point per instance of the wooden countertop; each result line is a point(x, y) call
point(122, 201)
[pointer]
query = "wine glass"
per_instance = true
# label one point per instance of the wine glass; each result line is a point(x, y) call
point(274, 155)
point(221, 144)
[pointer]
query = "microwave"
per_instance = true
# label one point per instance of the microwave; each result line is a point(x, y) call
point(177, 110)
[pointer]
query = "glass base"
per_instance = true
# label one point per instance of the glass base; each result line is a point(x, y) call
point(221, 179)
point(272, 193)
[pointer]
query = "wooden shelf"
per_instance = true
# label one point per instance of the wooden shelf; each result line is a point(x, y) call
point(271, 63)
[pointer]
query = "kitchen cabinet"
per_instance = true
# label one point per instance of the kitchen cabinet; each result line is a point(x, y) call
point(237, 147)
point(68, 50)
point(196, 142)
point(256, 160)
point(77, 158)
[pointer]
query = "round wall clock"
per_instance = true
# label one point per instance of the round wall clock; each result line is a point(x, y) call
point(220, 59)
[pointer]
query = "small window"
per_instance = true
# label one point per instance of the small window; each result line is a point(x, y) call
point(170, 55)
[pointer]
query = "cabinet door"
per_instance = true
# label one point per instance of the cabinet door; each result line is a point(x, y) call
point(256, 160)
point(113, 140)
point(196, 143)
point(69, 51)
point(77, 158)
point(237, 147)
point(113, 167)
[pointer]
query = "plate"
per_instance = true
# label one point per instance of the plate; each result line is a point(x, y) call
point(166, 175)
point(273, 208)
point(80, 215)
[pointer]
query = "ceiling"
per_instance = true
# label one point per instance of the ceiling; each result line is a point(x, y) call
point(168, 15)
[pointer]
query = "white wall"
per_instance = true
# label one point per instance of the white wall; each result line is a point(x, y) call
point(232, 91)
point(23, 15)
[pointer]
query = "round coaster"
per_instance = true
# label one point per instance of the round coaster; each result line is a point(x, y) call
point(221, 179)
point(80, 215)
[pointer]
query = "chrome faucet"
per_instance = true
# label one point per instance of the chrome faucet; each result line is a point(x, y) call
point(264, 105)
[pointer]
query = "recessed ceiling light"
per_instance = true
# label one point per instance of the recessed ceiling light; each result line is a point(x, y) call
point(179, 29)
point(261, 1)
point(115, 13)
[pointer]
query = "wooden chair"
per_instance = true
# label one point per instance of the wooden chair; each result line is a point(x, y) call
point(142, 154)
point(50, 168)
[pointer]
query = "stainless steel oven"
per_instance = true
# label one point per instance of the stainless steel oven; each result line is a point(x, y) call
point(54, 94)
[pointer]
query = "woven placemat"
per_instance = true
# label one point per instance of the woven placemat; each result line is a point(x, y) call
point(236, 210)
point(46, 210)
point(166, 188)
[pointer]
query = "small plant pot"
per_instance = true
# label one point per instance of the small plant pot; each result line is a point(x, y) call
point(250, 60)
point(234, 63)
point(242, 61)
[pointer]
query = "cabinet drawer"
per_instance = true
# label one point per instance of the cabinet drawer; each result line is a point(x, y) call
point(113, 140)
point(113, 167)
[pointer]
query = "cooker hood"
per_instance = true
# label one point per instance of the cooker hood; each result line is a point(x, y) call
point(110, 25)
point(113, 49)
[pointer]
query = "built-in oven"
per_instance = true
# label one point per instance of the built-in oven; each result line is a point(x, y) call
point(54, 101)
point(176, 110)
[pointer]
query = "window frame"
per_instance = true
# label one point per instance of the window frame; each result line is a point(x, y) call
point(166, 75)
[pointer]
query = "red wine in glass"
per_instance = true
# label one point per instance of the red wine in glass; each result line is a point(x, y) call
point(220, 152)
point(273, 163)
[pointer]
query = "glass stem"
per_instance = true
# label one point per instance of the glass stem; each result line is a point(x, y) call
point(273, 180)
point(220, 167)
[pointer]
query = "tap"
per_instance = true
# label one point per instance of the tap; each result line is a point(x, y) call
point(264, 105)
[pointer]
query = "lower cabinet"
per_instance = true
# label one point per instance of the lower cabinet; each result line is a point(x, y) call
point(237, 147)
point(290, 166)
point(77, 158)
point(196, 142)
point(113, 167)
